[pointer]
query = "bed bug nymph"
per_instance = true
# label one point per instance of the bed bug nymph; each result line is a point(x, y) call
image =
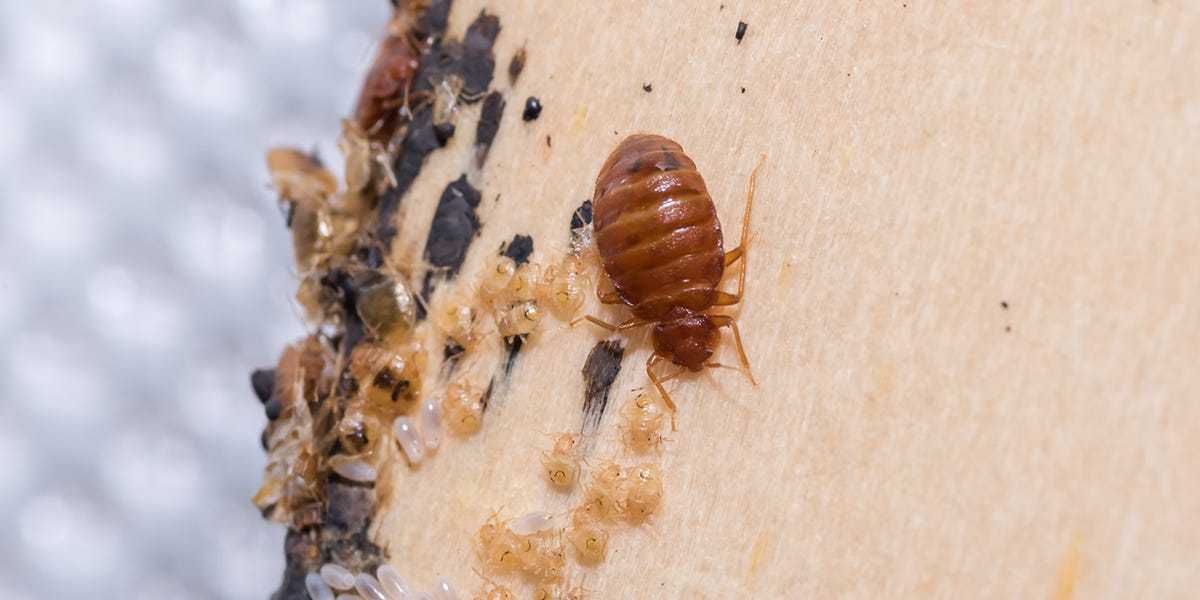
point(659, 239)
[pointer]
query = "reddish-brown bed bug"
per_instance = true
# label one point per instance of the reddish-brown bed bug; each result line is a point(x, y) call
point(660, 243)
point(386, 87)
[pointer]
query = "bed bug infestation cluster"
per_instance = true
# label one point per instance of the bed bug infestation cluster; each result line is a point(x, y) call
point(404, 356)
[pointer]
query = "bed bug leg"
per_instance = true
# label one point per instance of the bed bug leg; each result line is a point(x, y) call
point(650, 362)
point(732, 256)
point(622, 326)
point(728, 321)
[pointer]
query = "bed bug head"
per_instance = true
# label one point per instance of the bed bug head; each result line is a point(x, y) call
point(688, 338)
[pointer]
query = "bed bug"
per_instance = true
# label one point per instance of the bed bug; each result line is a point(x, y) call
point(386, 87)
point(660, 243)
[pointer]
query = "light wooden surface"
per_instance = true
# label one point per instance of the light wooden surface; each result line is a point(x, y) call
point(926, 162)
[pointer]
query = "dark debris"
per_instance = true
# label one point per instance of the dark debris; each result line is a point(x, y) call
point(533, 109)
point(599, 372)
point(518, 249)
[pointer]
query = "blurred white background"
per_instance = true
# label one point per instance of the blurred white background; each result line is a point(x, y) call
point(144, 270)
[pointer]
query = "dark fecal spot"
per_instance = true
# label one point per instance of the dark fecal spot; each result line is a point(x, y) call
point(432, 22)
point(302, 556)
point(548, 144)
point(478, 62)
point(599, 372)
point(1004, 304)
point(512, 346)
point(273, 407)
point(1008, 328)
point(489, 123)
point(518, 249)
point(454, 226)
point(516, 65)
point(443, 132)
point(646, 87)
point(743, 90)
point(741, 31)
point(263, 381)
point(582, 215)
point(470, 59)
point(344, 539)
point(533, 109)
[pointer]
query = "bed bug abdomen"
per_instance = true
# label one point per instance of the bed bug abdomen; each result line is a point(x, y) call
point(657, 229)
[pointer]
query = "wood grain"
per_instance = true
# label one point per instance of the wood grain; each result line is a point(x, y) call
point(972, 298)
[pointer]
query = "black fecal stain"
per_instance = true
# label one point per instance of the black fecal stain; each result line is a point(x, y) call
point(489, 123)
point(516, 65)
point(512, 346)
point(599, 373)
point(374, 256)
point(581, 218)
point(454, 226)
point(486, 399)
point(582, 215)
point(741, 31)
point(301, 557)
point(344, 539)
point(451, 354)
point(272, 407)
point(548, 144)
point(518, 249)
point(1004, 304)
point(341, 281)
point(479, 64)
point(533, 109)
point(443, 132)
point(646, 87)
point(432, 23)
point(472, 60)
point(263, 381)
point(743, 90)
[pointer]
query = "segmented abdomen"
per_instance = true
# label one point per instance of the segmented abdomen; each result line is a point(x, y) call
point(656, 228)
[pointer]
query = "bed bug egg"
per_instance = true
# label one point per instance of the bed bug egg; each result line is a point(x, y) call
point(409, 439)
point(317, 588)
point(353, 469)
point(443, 589)
point(660, 242)
point(462, 408)
point(393, 585)
point(431, 422)
point(368, 587)
point(587, 534)
point(643, 492)
point(562, 462)
point(531, 523)
point(642, 419)
point(337, 576)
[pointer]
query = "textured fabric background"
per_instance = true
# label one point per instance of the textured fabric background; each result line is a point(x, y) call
point(144, 270)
